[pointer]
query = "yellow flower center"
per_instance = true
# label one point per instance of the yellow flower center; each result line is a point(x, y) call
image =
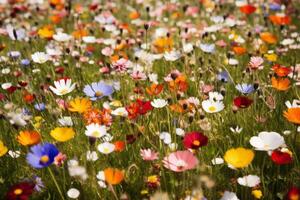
point(95, 134)
point(64, 91)
point(196, 142)
point(212, 108)
point(44, 159)
point(18, 191)
point(106, 150)
point(98, 94)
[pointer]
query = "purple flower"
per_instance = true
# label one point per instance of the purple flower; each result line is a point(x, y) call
point(42, 155)
point(98, 90)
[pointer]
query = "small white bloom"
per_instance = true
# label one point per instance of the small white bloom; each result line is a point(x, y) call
point(91, 155)
point(180, 132)
point(212, 106)
point(215, 96)
point(187, 48)
point(120, 112)
point(62, 37)
point(62, 87)
point(217, 161)
point(229, 196)
point(95, 130)
point(249, 181)
point(40, 57)
point(89, 39)
point(65, 121)
point(73, 193)
point(236, 129)
point(6, 86)
point(106, 147)
point(159, 103)
point(14, 154)
point(172, 55)
point(166, 137)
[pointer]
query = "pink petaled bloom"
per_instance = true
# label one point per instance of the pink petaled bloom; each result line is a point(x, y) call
point(221, 43)
point(59, 159)
point(148, 154)
point(207, 88)
point(256, 63)
point(104, 70)
point(107, 51)
point(121, 65)
point(137, 75)
point(180, 161)
point(61, 103)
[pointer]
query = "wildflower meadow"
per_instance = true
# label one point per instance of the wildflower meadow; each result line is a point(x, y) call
point(149, 99)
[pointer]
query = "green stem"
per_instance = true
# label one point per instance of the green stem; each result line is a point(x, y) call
point(55, 182)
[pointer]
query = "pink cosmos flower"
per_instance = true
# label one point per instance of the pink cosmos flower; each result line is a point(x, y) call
point(256, 63)
point(148, 154)
point(180, 161)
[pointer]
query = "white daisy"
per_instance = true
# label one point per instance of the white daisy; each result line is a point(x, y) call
point(91, 155)
point(40, 57)
point(212, 106)
point(95, 130)
point(62, 37)
point(106, 148)
point(73, 193)
point(63, 86)
point(159, 103)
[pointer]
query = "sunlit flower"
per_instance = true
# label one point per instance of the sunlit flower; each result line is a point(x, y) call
point(3, 149)
point(281, 84)
point(27, 138)
point(62, 134)
point(113, 176)
point(239, 157)
point(80, 105)
point(212, 106)
point(293, 115)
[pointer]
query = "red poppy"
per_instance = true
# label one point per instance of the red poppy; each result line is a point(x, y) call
point(281, 158)
point(20, 191)
point(281, 71)
point(194, 140)
point(293, 193)
point(248, 9)
point(242, 102)
point(138, 108)
point(11, 89)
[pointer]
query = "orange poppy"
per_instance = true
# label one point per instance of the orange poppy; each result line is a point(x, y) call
point(281, 71)
point(163, 44)
point(28, 98)
point(280, 20)
point(134, 15)
point(281, 84)
point(113, 176)
point(56, 19)
point(119, 146)
point(239, 50)
point(268, 37)
point(27, 138)
point(179, 84)
point(177, 108)
point(293, 115)
point(80, 33)
point(155, 89)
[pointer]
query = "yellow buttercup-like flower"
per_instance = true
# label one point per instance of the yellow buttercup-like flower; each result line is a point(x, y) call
point(46, 32)
point(62, 134)
point(3, 149)
point(239, 157)
point(80, 105)
point(257, 194)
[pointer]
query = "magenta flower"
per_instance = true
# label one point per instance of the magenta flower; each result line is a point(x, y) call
point(180, 161)
point(148, 154)
point(194, 140)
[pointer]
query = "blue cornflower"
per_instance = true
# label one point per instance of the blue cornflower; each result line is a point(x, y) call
point(42, 155)
point(245, 88)
point(25, 62)
point(98, 90)
point(223, 76)
point(40, 106)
